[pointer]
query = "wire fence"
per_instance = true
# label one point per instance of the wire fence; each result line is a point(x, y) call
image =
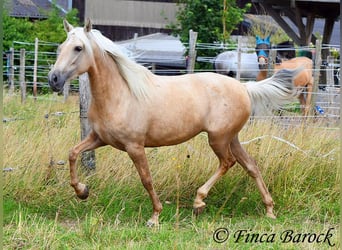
point(31, 74)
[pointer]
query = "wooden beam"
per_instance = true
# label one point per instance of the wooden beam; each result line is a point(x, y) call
point(300, 26)
point(284, 25)
point(328, 28)
point(310, 21)
point(307, 36)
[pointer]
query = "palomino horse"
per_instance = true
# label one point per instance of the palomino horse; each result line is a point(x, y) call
point(131, 108)
point(303, 81)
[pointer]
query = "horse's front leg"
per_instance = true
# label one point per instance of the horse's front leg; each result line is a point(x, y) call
point(137, 154)
point(92, 141)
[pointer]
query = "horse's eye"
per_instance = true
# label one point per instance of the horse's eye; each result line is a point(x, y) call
point(78, 48)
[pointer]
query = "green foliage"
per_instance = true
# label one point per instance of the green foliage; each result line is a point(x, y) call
point(24, 30)
point(214, 20)
point(46, 30)
point(51, 29)
point(209, 18)
point(16, 29)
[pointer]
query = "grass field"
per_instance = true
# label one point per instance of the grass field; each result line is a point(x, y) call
point(42, 212)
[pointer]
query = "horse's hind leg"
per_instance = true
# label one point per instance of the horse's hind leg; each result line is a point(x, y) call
point(220, 146)
point(249, 164)
point(92, 141)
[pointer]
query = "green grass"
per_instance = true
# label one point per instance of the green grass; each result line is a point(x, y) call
point(42, 212)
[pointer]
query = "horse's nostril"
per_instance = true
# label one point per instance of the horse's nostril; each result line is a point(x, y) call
point(54, 78)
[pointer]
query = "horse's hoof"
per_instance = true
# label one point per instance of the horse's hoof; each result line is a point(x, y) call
point(151, 224)
point(271, 215)
point(84, 194)
point(198, 210)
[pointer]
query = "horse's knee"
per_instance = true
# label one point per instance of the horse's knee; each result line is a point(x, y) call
point(72, 155)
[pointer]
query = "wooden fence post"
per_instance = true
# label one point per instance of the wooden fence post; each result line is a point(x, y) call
point(238, 73)
point(22, 76)
point(66, 90)
point(330, 80)
point(330, 71)
point(87, 158)
point(192, 51)
point(271, 61)
point(35, 66)
point(317, 69)
point(11, 72)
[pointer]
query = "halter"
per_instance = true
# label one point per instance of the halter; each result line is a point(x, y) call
point(262, 53)
point(262, 50)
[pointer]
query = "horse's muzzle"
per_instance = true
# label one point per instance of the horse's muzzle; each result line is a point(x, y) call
point(56, 80)
point(263, 63)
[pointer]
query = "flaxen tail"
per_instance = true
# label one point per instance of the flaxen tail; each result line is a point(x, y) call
point(274, 92)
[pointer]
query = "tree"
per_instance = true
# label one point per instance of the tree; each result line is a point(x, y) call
point(51, 29)
point(214, 20)
point(16, 29)
point(24, 30)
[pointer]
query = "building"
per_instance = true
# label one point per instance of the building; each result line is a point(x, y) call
point(35, 9)
point(120, 20)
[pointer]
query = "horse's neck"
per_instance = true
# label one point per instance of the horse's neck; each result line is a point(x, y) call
point(261, 75)
point(106, 82)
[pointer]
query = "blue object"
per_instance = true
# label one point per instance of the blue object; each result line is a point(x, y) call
point(319, 110)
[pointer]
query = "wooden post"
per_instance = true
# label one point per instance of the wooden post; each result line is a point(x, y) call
point(317, 69)
point(87, 158)
point(330, 80)
point(22, 76)
point(238, 72)
point(35, 66)
point(330, 71)
point(271, 61)
point(11, 72)
point(66, 90)
point(192, 51)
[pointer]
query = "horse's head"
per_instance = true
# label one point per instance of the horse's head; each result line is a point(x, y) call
point(75, 56)
point(262, 50)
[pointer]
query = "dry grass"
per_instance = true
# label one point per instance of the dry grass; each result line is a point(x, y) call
point(304, 184)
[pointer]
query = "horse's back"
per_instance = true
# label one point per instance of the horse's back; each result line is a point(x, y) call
point(296, 62)
point(304, 77)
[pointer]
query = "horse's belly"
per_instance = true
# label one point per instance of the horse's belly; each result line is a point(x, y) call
point(174, 127)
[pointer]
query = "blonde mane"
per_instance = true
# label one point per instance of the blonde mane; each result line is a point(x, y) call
point(135, 75)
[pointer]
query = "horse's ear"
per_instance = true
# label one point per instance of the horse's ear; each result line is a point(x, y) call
point(257, 38)
point(88, 25)
point(67, 26)
point(267, 39)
